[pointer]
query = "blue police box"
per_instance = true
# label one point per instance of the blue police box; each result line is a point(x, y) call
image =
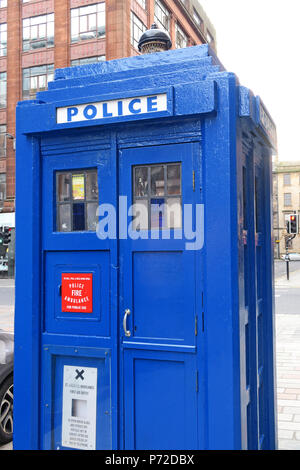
point(144, 306)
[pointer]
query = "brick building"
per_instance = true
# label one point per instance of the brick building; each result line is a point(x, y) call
point(38, 36)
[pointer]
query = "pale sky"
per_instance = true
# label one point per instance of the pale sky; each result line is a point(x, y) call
point(259, 40)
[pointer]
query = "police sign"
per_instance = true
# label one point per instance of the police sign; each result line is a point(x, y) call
point(139, 105)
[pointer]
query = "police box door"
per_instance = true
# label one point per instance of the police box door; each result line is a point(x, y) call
point(158, 332)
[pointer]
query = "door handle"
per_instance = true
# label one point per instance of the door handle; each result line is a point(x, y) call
point(127, 332)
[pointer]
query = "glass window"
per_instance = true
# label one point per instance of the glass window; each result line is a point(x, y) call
point(3, 3)
point(162, 16)
point(209, 37)
point(198, 20)
point(36, 79)
point(2, 188)
point(38, 32)
point(157, 196)
point(3, 39)
point(88, 22)
point(142, 3)
point(287, 179)
point(137, 29)
point(77, 199)
point(88, 60)
point(3, 86)
point(2, 140)
point(287, 199)
point(181, 37)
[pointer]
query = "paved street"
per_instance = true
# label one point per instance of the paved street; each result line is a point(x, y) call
point(287, 302)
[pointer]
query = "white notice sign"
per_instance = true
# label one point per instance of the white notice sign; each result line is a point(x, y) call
point(79, 407)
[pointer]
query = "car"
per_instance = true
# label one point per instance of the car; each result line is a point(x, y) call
point(3, 265)
point(6, 386)
point(292, 257)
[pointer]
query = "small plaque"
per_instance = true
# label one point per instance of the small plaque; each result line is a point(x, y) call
point(77, 293)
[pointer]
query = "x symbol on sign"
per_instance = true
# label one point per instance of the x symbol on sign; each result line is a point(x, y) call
point(79, 374)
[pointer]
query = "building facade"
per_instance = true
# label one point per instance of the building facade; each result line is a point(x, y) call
point(39, 36)
point(286, 202)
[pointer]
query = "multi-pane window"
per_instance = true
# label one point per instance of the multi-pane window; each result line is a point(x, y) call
point(3, 39)
point(77, 199)
point(181, 37)
point(36, 79)
point(2, 188)
point(88, 22)
point(287, 179)
point(3, 86)
point(2, 140)
point(287, 199)
point(3, 3)
point(38, 32)
point(157, 196)
point(142, 3)
point(209, 37)
point(88, 60)
point(137, 29)
point(162, 16)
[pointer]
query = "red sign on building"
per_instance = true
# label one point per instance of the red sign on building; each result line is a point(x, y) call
point(77, 292)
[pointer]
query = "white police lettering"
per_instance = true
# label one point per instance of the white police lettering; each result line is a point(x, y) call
point(113, 109)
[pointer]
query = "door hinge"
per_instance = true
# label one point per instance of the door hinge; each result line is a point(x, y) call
point(197, 381)
point(196, 325)
point(193, 180)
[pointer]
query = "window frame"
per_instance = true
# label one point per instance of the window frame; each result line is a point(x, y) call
point(134, 19)
point(180, 31)
point(3, 81)
point(48, 39)
point(161, 7)
point(285, 197)
point(49, 74)
point(81, 14)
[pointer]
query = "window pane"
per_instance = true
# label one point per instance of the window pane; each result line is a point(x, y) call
point(141, 181)
point(92, 186)
point(78, 187)
point(78, 217)
point(64, 217)
point(157, 181)
point(92, 218)
point(140, 215)
point(158, 215)
point(64, 188)
point(174, 213)
point(174, 186)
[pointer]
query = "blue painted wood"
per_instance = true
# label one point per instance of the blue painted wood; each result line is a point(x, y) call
point(202, 321)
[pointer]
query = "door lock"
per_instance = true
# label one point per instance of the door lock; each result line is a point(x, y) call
point(127, 332)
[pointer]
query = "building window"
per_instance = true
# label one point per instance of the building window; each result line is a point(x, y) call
point(88, 22)
point(2, 188)
point(3, 39)
point(38, 32)
point(181, 37)
point(287, 179)
point(3, 85)
point(162, 16)
point(287, 199)
point(157, 196)
point(36, 79)
point(2, 140)
point(137, 29)
point(142, 3)
point(88, 60)
point(77, 200)
point(3, 3)
point(198, 20)
point(209, 37)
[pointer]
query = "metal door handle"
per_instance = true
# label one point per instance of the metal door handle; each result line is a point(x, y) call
point(127, 332)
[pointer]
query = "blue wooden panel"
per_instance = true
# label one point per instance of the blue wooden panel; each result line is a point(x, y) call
point(160, 401)
point(96, 323)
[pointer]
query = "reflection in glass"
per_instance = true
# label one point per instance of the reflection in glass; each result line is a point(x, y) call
point(141, 181)
point(140, 215)
point(64, 188)
point(173, 180)
point(158, 210)
point(78, 187)
point(174, 213)
point(64, 217)
point(157, 181)
point(92, 187)
point(92, 218)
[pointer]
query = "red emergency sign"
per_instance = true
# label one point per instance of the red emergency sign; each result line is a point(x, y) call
point(77, 292)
